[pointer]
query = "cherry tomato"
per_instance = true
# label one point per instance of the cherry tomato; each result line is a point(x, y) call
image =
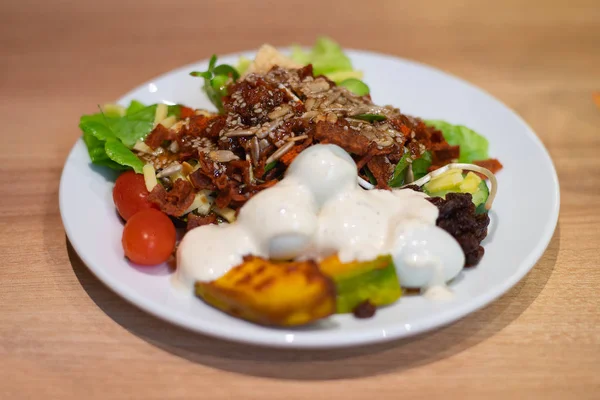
point(148, 237)
point(130, 194)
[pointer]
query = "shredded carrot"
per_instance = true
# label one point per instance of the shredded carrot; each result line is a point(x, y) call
point(288, 157)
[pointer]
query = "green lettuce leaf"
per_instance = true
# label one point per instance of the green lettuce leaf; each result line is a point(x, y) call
point(98, 129)
point(134, 107)
point(133, 127)
point(97, 153)
point(328, 58)
point(242, 65)
point(473, 146)
point(109, 137)
point(120, 154)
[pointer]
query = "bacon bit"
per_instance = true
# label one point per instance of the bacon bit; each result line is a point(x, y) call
point(350, 140)
point(445, 154)
point(201, 181)
point(381, 168)
point(491, 163)
point(195, 221)
point(175, 201)
point(186, 112)
point(223, 198)
point(158, 135)
point(305, 71)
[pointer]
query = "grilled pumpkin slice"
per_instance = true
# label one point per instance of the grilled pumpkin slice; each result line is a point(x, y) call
point(269, 293)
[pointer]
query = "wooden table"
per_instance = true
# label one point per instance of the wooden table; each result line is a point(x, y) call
point(64, 335)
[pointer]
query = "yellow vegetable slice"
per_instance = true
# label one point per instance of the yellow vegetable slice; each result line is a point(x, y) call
point(470, 183)
point(268, 293)
point(447, 181)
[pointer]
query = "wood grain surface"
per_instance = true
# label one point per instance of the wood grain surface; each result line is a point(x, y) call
point(63, 335)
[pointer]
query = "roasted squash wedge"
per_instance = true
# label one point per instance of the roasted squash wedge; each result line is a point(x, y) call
point(272, 293)
point(359, 281)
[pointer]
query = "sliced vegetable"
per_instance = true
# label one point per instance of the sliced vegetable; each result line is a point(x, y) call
point(149, 177)
point(227, 213)
point(356, 86)
point(470, 183)
point(370, 117)
point(480, 197)
point(453, 181)
point(357, 282)
point(276, 294)
point(270, 166)
point(399, 173)
point(473, 146)
point(421, 165)
point(370, 175)
point(149, 237)
point(449, 181)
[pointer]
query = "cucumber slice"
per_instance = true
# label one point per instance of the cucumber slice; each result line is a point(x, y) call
point(479, 197)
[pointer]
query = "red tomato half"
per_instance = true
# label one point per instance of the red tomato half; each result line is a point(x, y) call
point(149, 237)
point(130, 194)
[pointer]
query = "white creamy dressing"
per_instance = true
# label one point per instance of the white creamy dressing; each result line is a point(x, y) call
point(318, 210)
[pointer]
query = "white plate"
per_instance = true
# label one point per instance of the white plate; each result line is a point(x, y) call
point(524, 214)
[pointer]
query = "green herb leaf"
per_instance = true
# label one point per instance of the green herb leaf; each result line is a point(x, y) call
point(356, 86)
point(421, 165)
point(270, 166)
point(212, 62)
point(370, 175)
point(216, 80)
point(227, 70)
point(473, 146)
point(370, 117)
point(397, 178)
point(205, 74)
point(119, 153)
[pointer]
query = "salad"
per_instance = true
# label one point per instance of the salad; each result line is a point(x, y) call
point(297, 197)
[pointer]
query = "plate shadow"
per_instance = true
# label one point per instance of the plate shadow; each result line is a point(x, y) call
point(323, 364)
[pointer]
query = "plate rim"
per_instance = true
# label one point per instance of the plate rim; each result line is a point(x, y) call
point(344, 339)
